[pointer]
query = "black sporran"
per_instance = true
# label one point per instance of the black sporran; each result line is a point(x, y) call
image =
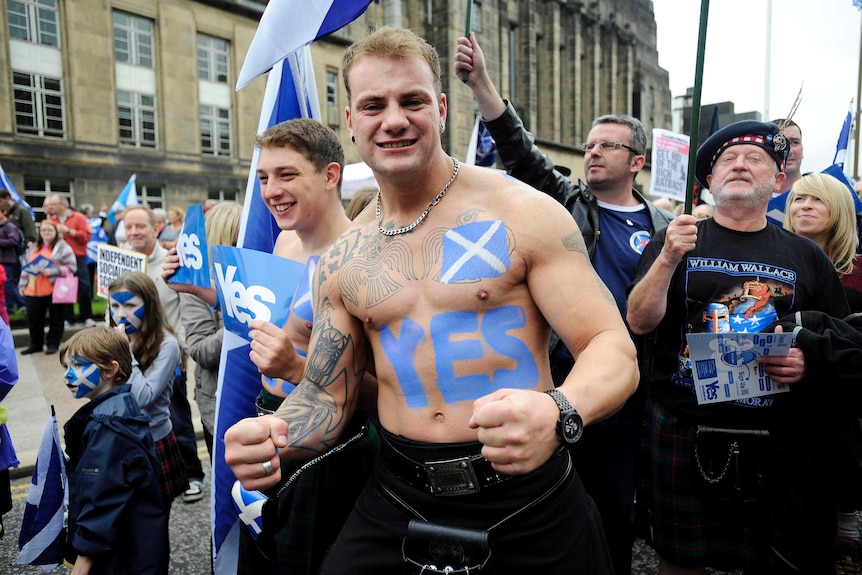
point(731, 463)
point(430, 548)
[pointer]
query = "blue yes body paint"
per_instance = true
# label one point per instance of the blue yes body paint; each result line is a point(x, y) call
point(449, 336)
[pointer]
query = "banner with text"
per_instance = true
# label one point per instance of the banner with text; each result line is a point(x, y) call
point(112, 262)
point(669, 164)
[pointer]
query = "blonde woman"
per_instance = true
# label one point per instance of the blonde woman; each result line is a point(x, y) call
point(171, 232)
point(820, 208)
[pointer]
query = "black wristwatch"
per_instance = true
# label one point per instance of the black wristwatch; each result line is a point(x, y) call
point(570, 426)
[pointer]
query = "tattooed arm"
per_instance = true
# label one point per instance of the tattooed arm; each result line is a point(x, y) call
point(312, 417)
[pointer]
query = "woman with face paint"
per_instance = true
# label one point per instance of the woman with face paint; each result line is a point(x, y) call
point(37, 288)
point(117, 520)
point(136, 312)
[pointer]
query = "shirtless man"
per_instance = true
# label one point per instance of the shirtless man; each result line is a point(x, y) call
point(450, 287)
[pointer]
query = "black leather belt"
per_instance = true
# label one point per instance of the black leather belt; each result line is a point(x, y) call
point(458, 476)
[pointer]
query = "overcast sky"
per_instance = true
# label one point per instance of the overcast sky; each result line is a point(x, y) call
point(813, 41)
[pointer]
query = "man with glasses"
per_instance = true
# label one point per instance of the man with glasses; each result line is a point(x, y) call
point(616, 221)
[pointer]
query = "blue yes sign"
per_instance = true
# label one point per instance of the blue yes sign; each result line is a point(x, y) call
point(253, 285)
point(192, 249)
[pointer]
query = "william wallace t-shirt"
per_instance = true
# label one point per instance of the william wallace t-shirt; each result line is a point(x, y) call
point(739, 282)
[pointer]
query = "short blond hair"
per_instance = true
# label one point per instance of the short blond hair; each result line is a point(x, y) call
point(391, 44)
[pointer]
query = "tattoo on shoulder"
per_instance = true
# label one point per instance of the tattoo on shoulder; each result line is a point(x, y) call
point(574, 242)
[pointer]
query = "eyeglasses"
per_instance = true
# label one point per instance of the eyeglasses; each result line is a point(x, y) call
point(607, 146)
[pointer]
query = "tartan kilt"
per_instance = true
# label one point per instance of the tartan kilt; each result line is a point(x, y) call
point(174, 479)
point(689, 529)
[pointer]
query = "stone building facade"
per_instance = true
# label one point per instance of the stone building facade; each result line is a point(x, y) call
point(92, 91)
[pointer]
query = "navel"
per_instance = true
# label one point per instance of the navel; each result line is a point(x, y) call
point(439, 417)
point(368, 319)
point(482, 294)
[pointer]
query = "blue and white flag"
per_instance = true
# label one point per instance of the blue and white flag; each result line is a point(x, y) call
point(836, 172)
point(41, 539)
point(843, 138)
point(192, 249)
point(482, 150)
point(287, 25)
point(97, 236)
point(5, 183)
point(250, 285)
point(128, 197)
point(35, 266)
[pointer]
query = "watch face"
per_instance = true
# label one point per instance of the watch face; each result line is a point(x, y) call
point(572, 427)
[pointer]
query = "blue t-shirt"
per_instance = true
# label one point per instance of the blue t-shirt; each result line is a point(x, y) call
point(625, 232)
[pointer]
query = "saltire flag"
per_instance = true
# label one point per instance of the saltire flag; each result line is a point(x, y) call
point(250, 285)
point(843, 138)
point(5, 183)
point(193, 250)
point(482, 150)
point(308, 20)
point(836, 172)
point(97, 236)
point(42, 538)
point(128, 197)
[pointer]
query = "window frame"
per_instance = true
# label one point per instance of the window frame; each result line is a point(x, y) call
point(40, 99)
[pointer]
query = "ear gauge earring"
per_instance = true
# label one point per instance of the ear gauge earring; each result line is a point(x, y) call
point(353, 139)
point(442, 127)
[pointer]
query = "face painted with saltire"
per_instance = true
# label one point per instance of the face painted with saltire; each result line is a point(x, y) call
point(82, 374)
point(127, 310)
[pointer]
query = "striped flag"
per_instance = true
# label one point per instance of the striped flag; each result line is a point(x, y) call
point(239, 379)
point(42, 537)
point(128, 197)
point(309, 20)
point(843, 138)
point(5, 183)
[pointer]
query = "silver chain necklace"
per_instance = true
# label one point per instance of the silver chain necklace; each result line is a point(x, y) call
point(431, 204)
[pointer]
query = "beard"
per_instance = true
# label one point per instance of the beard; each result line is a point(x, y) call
point(758, 194)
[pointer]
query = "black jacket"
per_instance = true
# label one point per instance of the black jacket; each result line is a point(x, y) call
point(115, 507)
point(524, 161)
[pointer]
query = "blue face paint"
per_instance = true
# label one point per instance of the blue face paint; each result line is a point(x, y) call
point(401, 352)
point(83, 374)
point(127, 310)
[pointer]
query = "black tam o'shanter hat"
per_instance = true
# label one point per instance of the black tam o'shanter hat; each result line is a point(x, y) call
point(766, 135)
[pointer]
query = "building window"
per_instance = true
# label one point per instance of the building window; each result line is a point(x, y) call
point(221, 195)
point(213, 59)
point(137, 118)
point(33, 21)
point(215, 131)
point(133, 40)
point(333, 110)
point(38, 105)
point(37, 189)
point(151, 196)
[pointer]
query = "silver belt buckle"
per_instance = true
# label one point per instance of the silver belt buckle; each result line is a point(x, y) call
point(452, 476)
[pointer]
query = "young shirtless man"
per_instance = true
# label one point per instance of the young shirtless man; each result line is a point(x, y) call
point(450, 287)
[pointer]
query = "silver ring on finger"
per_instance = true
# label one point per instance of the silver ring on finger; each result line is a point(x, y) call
point(267, 467)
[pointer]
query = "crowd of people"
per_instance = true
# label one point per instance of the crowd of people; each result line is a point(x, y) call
point(478, 373)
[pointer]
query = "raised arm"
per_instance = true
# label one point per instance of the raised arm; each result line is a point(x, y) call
point(515, 145)
point(647, 302)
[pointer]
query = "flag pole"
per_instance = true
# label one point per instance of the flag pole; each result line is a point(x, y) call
point(856, 114)
point(695, 105)
point(469, 28)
